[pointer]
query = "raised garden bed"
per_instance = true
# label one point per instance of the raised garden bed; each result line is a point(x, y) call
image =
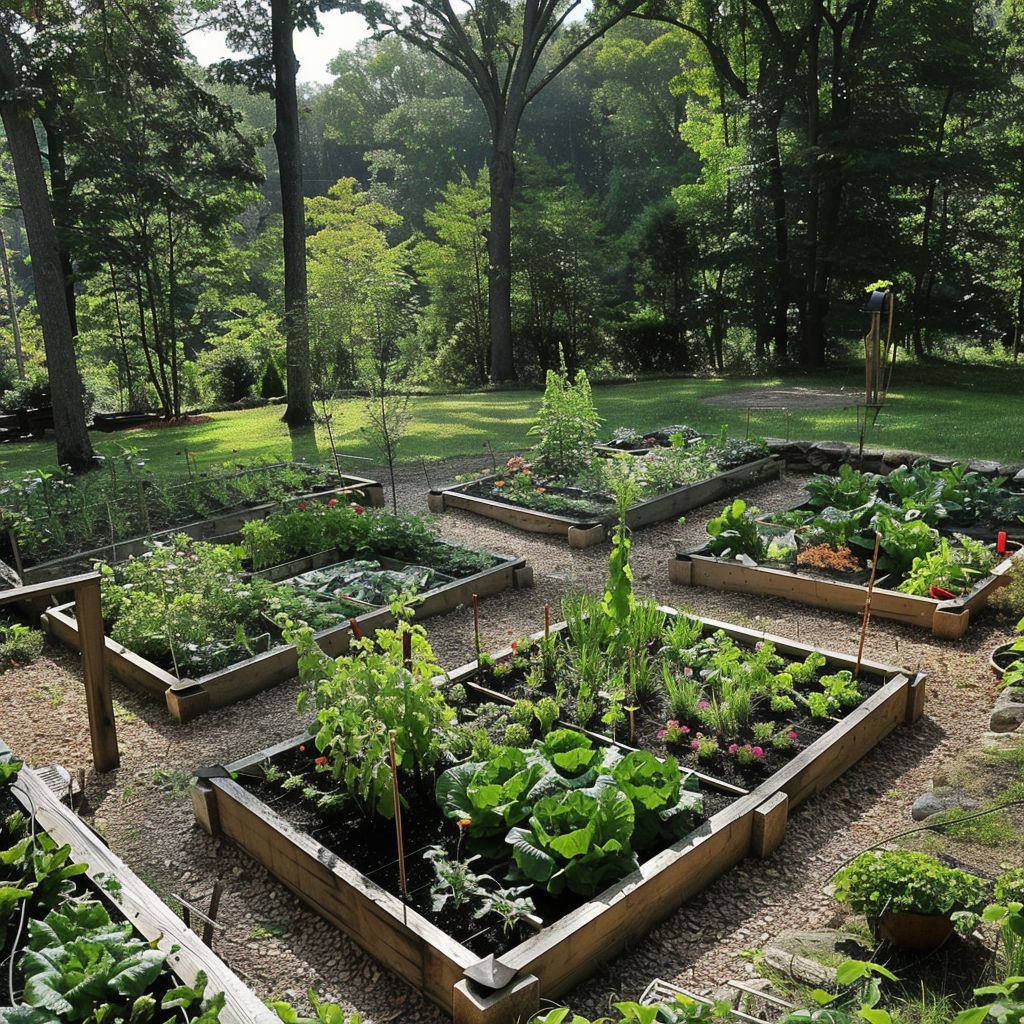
point(945, 546)
point(110, 881)
point(585, 529)
point(488, 976)
point(637, 442)
point(188, 696)
point(108, 422)
point(146, 510)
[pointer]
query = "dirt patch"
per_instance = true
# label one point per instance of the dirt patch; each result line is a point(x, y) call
point(783, 398)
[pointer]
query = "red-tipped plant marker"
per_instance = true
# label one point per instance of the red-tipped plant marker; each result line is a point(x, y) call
point(1001, 542)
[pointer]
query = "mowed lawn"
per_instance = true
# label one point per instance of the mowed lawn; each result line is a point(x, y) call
point(966, 412)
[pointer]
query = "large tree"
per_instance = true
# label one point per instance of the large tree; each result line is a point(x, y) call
point(267, 37)
point(73, 446)
point(501, 47)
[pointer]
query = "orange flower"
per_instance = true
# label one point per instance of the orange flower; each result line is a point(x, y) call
point(464, 822)
point(540, 490)
point(499, 483)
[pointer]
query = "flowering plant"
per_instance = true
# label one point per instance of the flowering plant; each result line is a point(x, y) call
point(747, 754)
point(673, 732)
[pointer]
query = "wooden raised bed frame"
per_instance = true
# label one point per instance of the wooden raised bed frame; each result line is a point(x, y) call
point(566, 952)
point(130, 896)
point(583, 533)
point(948, 620)
point(188, 698)
point(351, 487)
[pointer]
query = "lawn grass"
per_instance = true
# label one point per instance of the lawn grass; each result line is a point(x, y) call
point(965, 411)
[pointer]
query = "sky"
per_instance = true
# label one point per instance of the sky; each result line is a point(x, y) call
point(340, 32)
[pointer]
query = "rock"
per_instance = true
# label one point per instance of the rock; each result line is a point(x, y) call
point(1018, 478)
point(898, 457)
point(998, 741)
point(939, 799)
point(984, 466)
point(1008, 714)
point(1011, 470)
point(811, 957)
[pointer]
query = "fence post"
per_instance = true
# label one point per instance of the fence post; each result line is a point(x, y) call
point(102, 730)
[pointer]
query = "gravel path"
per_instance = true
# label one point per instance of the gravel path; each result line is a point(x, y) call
point(282, 949)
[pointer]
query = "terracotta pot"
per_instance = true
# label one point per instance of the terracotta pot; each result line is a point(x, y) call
point(916, 933)
point(1001, 658)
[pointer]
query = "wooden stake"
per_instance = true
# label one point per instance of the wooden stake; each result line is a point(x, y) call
point(19, 568)
point(218, 889)
point(547, 620)
point(867, 606)
point(407, 650)
point(398, 815)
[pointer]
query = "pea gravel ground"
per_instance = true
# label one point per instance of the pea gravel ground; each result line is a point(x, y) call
point(282, 949)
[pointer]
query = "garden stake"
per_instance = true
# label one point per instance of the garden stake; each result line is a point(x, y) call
point(330, 437)
point(356, 631)
point(867, 605)
point(398, 817)
point(547, 620)
point(16, 553)
point(494, 460)
point(407, 650)
point(426, 475)
point(476, 632)
point(143, 507)
point(632, 722)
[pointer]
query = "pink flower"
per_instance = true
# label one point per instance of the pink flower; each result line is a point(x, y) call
point(358, 509)
point(684, 729)
point(332, 503)
point(661, 733)
point(733, 747)
point(792, 734)
point(694, 744)
point(757, 751)
point(703, 704)
point(687, 672)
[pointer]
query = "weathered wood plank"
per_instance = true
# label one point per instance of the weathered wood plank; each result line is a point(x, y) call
point(188, 956)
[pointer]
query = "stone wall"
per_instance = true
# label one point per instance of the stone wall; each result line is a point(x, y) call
point(828, 456)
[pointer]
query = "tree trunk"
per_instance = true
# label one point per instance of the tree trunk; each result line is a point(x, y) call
point(299, 411)
point(780, 237)
point(502, 175)
point(61, 189)
point(19, 357)
point(73, 446)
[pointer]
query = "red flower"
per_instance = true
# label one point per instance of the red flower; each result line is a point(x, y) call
point(302, 748)
point(302, 506)
point(332, 503)
point(358, 509)
point(320, 761)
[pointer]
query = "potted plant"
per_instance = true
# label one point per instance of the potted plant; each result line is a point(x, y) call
point(1007, 660)
point(909, 898)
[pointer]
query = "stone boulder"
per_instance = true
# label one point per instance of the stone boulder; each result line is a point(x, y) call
point(939, 799)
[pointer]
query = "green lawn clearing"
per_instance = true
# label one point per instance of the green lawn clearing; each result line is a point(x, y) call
point(965, 411)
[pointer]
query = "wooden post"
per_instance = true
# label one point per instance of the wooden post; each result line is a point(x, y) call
point(218, 888)
point(102, 730)
point(867, 605)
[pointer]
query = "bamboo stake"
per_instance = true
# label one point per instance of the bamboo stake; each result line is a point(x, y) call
point(867, 605)
point(398, 816)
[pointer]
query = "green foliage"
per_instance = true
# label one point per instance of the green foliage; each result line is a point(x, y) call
point(19, 644)
point(362, 696)
point(951, 567)
point(734, 532)
point(567, 425)
point(905, 881)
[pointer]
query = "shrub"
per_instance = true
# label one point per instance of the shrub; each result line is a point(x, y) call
point(272, 385)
